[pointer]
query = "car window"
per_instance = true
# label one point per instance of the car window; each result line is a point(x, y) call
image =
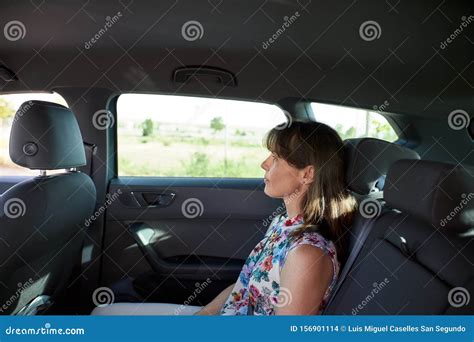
point(355, 122)
point(9, 104)
point(180, 136)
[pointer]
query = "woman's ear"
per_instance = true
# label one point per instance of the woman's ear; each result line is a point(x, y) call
point(308, 174)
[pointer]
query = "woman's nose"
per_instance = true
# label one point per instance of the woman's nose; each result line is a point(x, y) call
point(264, 164)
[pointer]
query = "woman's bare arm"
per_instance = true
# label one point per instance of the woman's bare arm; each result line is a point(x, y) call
point(305, 278)
point(215, 306)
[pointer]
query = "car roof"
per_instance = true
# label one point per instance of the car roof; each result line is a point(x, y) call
point(359, 54)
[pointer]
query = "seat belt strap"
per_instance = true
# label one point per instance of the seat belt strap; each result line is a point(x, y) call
point(366, 229)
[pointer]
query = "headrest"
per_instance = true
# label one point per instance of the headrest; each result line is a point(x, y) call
point(438, 193)
point(368, 159)
point(46, 136)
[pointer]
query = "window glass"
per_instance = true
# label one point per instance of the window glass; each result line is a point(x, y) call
point(354, 122)
point(180, 136)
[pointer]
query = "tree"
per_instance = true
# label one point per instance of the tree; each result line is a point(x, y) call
point(147, 128)
point(217, 124)
point(383, 130)
point(350, 133)
point(6, 110)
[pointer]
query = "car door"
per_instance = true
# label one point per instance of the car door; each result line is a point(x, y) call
point(182, 239)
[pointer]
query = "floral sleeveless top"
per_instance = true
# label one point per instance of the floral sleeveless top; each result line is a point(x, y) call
point(257, 290)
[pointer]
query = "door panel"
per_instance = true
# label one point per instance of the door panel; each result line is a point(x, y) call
point(164, 236)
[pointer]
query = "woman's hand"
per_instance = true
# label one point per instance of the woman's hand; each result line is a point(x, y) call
point(305, 277)
point(215, 306)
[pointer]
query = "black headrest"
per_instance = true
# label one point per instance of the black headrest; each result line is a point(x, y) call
point(46, 136)
point(367, 159)
point(438, 193)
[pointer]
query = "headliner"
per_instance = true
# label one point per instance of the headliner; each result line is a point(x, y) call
point(321, 56)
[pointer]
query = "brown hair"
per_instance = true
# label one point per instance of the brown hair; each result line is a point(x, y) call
point(327, 205)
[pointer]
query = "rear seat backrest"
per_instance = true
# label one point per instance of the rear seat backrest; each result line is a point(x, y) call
point(368, 160)
point(419, 256)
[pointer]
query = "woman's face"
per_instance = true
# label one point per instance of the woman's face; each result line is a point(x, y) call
point(281, 179)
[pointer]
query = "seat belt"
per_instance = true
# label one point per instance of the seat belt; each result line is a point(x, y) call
point(90, 150)
point(366, 229)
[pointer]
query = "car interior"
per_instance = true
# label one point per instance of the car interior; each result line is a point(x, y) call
point(104, 203)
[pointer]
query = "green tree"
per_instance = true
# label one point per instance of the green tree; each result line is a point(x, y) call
point(6, 110)
point(383, 130)
point(217, 124)
point(147, 127)
point(345, 134)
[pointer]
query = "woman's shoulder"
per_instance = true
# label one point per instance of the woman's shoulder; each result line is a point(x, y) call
point(313, 238)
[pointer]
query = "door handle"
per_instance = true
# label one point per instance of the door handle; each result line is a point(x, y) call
point(154, 199)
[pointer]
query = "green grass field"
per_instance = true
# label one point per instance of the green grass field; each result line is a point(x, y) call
point(184, 156)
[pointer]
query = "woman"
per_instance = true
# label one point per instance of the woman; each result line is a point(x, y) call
point(294, 268)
